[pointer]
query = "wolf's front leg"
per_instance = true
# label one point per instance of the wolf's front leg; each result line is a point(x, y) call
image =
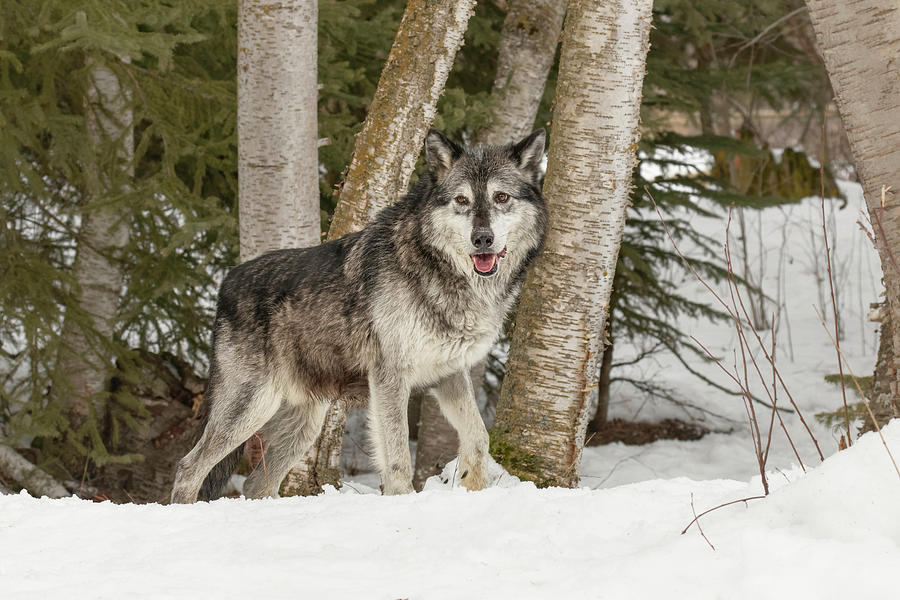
point(389, 429)
point(457, 400)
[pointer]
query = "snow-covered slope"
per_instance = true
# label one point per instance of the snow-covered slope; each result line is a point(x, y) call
point(831, 533)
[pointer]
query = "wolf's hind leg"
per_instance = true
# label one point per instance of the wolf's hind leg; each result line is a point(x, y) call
point(456, 398)
point(389, 430)
point(287, 436)
point(234, 416)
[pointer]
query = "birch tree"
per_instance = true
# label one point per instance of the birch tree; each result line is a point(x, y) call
point(860, 44)
point(82, 363)
point(278, 190)
point(525, 55)
point(556, 347)
point(402, 110)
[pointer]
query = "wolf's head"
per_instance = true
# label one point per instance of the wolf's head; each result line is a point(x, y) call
point(486, 207)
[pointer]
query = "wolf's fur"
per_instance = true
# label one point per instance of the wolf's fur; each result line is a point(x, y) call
point(374, 315)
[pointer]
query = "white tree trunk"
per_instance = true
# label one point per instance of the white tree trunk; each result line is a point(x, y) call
point(403, 108)
point(278, 176)
point(83, 361)
point(860, 44)
point(277, 91)
point(556, 347)
point(525, 55)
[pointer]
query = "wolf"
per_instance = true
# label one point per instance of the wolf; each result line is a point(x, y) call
point(410, 302)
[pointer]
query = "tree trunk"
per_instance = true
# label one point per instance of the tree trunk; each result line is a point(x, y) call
point(83, 361)
point(884, 382)
point(438, 442)
point(402, 110)
point(860, 42)
point(278, 176)
point(554, 356)
point(277, 93)
point(601, 416)
point(385, 154)
point(526, 52)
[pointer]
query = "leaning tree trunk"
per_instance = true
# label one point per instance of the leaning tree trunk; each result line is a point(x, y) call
point(525, 55)
point(384, 156)
point(860, 44)
point(83, 360)
point(554, 356)
point(278, 189)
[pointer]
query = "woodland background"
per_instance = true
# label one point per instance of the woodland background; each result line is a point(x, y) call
point(739, 83)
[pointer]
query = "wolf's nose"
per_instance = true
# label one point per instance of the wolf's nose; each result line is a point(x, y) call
point(482, 238)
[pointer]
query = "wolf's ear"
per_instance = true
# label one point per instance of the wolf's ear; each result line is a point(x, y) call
point(440, 153)
point(529, 153)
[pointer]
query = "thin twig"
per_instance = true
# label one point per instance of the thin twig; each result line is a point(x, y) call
point(736, 319)
point(774, 397)
point(859, 389)
point(837, 337)
point(754, 422)
point(771, 360)
point(693, 510)
point(762, 33)
point(706, 512)
point(262, 459)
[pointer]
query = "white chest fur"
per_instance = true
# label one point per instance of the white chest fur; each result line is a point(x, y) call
point(429, 339)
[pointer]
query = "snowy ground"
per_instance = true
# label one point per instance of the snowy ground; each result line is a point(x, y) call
point(833, 532)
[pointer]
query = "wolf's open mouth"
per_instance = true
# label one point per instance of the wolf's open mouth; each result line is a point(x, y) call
point(486, 264)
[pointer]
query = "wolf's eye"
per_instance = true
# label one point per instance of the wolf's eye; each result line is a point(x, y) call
point(461, 199)
point(501, 197)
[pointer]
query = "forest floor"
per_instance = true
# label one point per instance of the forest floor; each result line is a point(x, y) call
point(832, 531)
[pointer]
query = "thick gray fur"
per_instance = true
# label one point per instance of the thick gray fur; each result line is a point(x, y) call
point(396, 307)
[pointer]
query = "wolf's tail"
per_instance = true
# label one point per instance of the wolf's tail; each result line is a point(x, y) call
point(215, 482)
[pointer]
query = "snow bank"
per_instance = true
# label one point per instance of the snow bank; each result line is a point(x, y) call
point(831, 533)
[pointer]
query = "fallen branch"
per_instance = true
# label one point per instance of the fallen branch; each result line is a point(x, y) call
point(29, 476)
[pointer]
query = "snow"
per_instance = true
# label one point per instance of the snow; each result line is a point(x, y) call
point(817, 535)
point(790, 238)
point(832, 531)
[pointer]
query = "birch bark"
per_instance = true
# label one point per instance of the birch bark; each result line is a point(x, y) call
point(82, 362)
point(278, 176)
point(526, 53)
point(556, 346)
point(277, 93)
point(403, 108)
point(860, 44)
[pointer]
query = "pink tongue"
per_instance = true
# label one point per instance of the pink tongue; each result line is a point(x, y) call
point(484, 262)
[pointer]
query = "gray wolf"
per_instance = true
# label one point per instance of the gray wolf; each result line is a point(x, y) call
point(411, 302)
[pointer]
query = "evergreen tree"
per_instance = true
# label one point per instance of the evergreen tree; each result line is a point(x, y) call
point(176, 205)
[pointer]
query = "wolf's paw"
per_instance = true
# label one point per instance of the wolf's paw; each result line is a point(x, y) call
point(474, 478)
point(395, 486)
